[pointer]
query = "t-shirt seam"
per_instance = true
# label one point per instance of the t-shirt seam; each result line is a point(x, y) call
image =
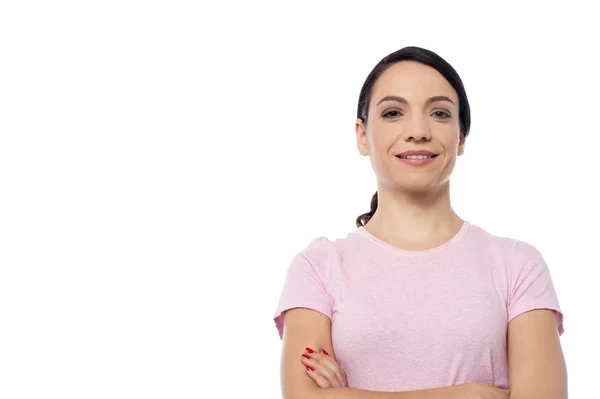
point(419, 254)
point(329, 300)
point(510, 278)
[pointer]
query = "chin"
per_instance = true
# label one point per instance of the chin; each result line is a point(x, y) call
point(417, 188)
point(419, 184)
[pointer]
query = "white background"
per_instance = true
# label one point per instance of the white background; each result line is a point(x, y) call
point(162, 162)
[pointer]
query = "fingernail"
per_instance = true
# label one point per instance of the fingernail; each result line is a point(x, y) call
point(310, 368)
point(305, 356)
point(324, 352)
point(309, 350)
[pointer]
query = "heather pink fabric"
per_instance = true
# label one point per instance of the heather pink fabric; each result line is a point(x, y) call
point(408, 320)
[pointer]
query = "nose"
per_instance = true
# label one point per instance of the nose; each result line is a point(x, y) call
point(418, 131)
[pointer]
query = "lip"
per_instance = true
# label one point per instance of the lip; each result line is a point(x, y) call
point(417, 162)
point(417, 152)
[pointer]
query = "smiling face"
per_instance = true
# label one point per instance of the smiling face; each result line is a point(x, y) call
point(412, 107)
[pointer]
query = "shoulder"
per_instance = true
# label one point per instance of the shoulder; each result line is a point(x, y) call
point(321, 249)
point(317, 255)
point(510, 250)
point(323, 253)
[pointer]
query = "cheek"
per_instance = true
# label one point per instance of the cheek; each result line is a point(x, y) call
point(450, 140)
point(381, 150)
point(383, 138)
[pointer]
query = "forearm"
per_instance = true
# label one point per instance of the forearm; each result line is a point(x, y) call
point(352, 393)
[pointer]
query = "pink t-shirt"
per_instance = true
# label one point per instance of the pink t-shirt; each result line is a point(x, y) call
point(409, 320)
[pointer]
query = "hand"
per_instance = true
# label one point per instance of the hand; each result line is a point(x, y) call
point(324, 370)
point(480, 390)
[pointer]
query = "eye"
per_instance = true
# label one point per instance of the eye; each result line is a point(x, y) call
point(444, 115)
point(391, 114)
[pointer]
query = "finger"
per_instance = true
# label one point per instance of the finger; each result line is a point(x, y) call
point(345, 379)
point(309, 367)
point(321, 368)
point(328, 368)
point(332, 365)
point(321, 381)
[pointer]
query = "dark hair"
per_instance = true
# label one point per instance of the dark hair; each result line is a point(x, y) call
point(425, 57)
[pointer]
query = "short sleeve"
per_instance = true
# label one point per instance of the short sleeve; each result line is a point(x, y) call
point(530, 284)
point(305, 282)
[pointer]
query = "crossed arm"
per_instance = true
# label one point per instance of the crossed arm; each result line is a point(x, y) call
point(536, 363)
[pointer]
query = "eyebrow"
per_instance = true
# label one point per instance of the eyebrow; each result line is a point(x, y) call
point(403, 100)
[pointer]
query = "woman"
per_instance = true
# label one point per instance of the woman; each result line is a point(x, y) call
point(417, 302)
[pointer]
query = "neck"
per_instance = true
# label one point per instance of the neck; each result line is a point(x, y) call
point(414, 217)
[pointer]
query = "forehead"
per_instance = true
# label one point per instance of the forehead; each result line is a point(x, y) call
point(414, 81)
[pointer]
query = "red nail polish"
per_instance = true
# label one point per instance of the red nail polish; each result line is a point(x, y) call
point(310, 368)
point(305, 356)
point(324, 352)
point(310, 350)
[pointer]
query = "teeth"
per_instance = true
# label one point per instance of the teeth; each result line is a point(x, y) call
point(416, 156)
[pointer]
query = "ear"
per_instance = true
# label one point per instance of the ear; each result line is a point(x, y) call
point(461, 144)
point(361, 137)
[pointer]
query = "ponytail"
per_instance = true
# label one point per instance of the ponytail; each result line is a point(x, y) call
point(365, 217)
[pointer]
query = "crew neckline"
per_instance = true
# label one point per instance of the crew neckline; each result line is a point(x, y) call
point(407, 252)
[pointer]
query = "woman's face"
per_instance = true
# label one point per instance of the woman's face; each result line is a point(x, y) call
point(394, 126)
